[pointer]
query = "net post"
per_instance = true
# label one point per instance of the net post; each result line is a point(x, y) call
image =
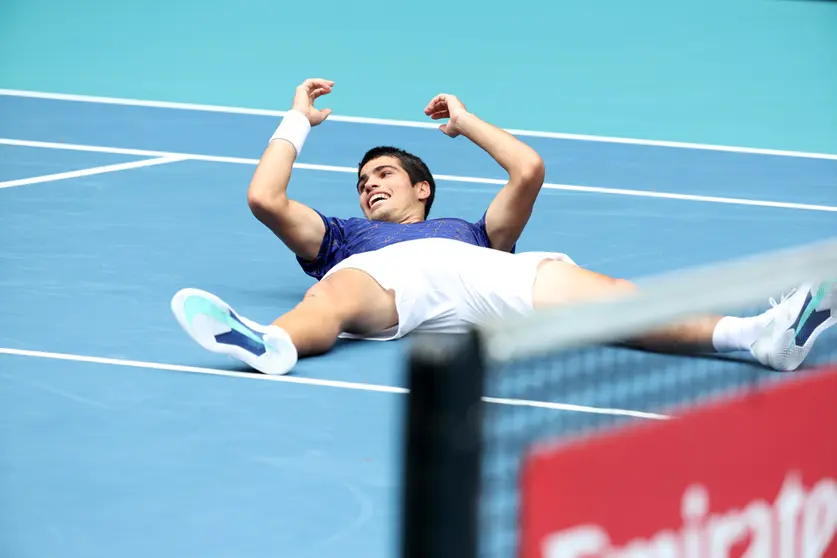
point(443, 443)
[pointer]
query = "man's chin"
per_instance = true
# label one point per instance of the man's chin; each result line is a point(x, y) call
point(381, 215)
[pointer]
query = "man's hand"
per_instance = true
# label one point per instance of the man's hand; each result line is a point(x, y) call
point(306, 93)
point(447, 106)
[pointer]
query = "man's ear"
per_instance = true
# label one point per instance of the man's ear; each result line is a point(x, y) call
point(423, 190)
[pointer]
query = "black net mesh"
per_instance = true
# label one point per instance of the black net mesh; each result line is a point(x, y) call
point(592, 388)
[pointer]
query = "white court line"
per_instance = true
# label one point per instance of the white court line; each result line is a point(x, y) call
point(127, 151)
point(91, 171)
point(440, 177)
point(314, 382)
point(406, 123)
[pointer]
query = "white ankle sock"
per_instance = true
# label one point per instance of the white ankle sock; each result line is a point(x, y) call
point(276, 332)
point(284, 356)
point(738, 334)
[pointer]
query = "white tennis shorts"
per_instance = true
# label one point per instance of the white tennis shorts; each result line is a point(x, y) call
point(447, 286)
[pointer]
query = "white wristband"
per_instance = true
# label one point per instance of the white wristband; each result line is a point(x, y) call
point(294, 128)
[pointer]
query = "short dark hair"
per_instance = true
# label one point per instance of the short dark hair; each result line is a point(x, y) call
point(416, 169)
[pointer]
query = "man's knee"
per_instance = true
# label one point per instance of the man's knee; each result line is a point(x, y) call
point(324, 298)
point(623, 285)
point(320, 291)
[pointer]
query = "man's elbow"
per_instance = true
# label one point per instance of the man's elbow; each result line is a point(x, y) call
point(264, 206)
point(533, 172)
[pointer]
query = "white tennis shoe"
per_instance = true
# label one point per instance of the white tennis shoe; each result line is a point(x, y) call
point(218, 328)
point(797, 321)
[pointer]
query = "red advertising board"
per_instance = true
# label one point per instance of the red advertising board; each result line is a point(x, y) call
point(753, 476)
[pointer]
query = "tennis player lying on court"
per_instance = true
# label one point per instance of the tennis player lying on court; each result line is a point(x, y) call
point(396, 272)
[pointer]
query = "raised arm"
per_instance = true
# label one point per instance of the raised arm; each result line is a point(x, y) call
point(297, 225)
point(511, 208)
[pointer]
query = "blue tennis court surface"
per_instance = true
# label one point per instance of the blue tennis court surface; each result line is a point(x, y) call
point(121, 437)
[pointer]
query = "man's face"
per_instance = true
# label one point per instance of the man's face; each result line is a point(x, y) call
point(386, 193)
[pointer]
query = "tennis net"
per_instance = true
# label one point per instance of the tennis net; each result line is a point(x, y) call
point(478, 481)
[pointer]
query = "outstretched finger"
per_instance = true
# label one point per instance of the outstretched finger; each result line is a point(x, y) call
point(438, 102)
point(319, 92)
point(315, 83)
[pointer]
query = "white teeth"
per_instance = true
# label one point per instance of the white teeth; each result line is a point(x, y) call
point(376, 198)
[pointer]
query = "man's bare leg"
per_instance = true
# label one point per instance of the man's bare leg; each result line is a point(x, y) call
point(560, 283)
point(347, 301)
point(779, 338)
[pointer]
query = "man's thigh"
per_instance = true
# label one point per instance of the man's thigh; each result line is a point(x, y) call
point(559, 283)
point(360, 303)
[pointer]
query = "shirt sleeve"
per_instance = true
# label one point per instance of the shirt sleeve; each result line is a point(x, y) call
point(482, 234)
point(330, 249)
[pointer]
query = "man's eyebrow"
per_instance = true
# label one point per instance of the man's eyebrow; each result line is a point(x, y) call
point(364, 177)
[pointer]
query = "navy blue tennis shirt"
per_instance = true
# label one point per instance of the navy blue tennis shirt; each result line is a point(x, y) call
point(345, 237)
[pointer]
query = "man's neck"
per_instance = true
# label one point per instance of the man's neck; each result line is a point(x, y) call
point(409, 220)
point(414, 216)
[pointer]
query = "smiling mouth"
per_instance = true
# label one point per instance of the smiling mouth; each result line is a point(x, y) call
point(377, 198)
